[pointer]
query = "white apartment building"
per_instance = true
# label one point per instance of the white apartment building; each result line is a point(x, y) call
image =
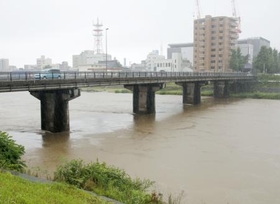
point(175, 64)
point(43, 61)
point(150, 60)
point(4, 64)
point(88, 57)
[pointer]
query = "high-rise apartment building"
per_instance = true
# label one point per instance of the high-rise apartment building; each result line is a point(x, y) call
point(214, 38)
point(4, 64)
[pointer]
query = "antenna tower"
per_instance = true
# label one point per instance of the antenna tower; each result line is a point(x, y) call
point(97, 33)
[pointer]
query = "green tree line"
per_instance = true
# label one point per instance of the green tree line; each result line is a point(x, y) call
point(267, 61)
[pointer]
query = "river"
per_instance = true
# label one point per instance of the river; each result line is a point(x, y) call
point(219, 152)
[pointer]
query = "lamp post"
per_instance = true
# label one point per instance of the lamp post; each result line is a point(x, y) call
point(106, 47)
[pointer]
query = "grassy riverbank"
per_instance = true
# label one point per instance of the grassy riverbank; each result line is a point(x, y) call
point(14, 189)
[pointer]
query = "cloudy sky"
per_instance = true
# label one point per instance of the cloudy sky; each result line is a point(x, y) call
point(59, 29)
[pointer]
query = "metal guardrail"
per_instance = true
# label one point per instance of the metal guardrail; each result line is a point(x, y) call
point(30, 76)
point(26, 81)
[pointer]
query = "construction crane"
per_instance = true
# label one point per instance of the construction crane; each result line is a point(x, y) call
point(197, 9)
point(234, 13)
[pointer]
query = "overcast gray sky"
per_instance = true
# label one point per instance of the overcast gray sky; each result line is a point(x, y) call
point(60, 28)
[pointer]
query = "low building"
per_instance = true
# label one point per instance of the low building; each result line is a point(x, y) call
point(256, 42)
point(186, 49)
point(89, 57)
point(139, 67)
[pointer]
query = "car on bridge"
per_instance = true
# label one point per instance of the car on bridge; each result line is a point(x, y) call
point(51, 73)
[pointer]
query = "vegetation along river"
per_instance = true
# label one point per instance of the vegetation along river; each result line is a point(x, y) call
point(221, 151)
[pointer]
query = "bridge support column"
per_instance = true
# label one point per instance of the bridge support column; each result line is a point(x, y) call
point(144, 97)
point(54, 108)
point(240, 87)
point(191, 92)
point(221, 89)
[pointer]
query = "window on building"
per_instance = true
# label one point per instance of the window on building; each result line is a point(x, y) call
point(213, 50)
point(213, 55)
point(212, 67)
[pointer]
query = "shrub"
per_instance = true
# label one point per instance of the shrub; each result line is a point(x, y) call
point(106, 180)
point(10, 153)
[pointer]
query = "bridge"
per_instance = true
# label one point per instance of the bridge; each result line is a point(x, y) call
point(54, 94)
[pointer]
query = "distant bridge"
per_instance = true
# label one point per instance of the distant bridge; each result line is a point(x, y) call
point(54, 94)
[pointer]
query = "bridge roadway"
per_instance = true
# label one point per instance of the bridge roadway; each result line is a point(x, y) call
point(54, 94)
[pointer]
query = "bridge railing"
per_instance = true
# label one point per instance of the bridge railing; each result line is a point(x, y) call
point(30, 75)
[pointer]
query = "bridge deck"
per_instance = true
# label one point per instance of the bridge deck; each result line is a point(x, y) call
point(25, 81)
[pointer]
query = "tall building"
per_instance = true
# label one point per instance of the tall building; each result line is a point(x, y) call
point(43, 61)
point(4, 65)
point(214, 37)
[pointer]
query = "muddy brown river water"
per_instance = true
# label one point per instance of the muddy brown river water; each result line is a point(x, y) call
point(219, 152)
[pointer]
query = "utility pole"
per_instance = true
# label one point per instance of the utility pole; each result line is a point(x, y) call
point(106, 47)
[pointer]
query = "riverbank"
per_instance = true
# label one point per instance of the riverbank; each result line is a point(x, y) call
point(267, 87)
point(15, 189)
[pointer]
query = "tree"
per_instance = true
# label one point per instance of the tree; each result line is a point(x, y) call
point(276, 64)
point(10, 153)
point(238, 61)
point(267, 60)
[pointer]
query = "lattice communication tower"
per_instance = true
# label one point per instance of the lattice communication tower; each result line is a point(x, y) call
point(97, 33)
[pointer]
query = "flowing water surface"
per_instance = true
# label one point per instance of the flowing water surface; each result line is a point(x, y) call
point(219, 152)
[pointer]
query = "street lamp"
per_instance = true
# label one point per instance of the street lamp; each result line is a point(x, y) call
point(106, 46)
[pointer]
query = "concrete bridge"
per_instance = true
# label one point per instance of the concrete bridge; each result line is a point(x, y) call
point(54, 93)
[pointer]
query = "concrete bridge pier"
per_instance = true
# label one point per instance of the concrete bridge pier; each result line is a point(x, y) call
point(144, 97)
point(191, 92)
point(239, 87)
point(54, 108)
point(221, 89)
